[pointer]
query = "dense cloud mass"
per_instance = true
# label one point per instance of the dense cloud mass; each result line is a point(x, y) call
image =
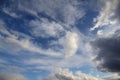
point(11, 76)
point(108, 52)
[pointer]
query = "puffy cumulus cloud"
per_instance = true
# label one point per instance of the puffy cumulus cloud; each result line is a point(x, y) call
point(11, 76)
point(107, 51)
point(65, 74)
point(109, 15)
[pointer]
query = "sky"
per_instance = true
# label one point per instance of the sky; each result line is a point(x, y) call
point(59, 39)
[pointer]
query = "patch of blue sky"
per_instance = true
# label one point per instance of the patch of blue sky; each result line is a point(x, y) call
point(86, 22)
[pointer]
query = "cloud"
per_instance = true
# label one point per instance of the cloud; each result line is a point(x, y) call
point(13, 40)
point(112, 77)
point(77, 60)
point(6, 67)
point(108, 14)
point(70, 43)
point(10, 13)
point(66, 74)
point(53, 19)
point(66, 12)
point(45, 28)
point(11, 76)
point(107, 51)
point(62, 11)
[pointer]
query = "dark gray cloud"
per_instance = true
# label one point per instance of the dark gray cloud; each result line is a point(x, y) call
point(108, 52)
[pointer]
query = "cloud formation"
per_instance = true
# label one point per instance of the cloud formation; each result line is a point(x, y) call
point(108, 52)
point(52, 24)
point(109, 15)
point(49, 37)
point(61, 11)
point(65, 74)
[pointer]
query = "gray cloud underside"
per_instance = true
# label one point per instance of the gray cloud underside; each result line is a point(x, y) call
point(108, 52)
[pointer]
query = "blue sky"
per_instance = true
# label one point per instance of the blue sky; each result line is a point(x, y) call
point(59, 39)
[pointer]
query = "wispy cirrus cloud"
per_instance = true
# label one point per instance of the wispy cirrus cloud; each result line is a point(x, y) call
point(108, 14)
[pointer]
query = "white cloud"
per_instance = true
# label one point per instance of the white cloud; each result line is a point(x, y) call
point(108, 31)
point(66, 55)
point(75, 61)
point(10, 67)
point(62, 10)
point(45, 28)
point(47, 62)
point(67, 11)
point(66, 74)
point(23, 44)
point(11, 76)
point(70, 43)
point(100, 32)
point(29, 46)
point(106, 15)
